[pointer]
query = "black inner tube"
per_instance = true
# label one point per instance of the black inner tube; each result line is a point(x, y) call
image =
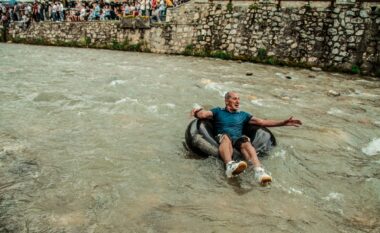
point(200, 139)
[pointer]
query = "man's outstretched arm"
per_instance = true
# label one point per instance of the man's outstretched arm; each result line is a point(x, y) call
point(273, 123)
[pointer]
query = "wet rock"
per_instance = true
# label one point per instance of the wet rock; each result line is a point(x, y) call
point(249, 73)
point(333, 93)
point(311, 76)
point(288, 77)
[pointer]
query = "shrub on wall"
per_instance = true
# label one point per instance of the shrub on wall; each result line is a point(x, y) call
point(221, 54)
point(262, 54)
point(377, 72)
point(355, 69)
point(253, 6)
point(189, 50)
point(230, 7)
point(2, 34)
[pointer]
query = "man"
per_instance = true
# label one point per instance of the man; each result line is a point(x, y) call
point(229, 123)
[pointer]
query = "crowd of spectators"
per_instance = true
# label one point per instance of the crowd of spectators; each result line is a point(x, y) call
point(58, 10)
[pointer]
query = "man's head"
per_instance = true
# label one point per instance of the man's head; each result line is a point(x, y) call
point(232, 101)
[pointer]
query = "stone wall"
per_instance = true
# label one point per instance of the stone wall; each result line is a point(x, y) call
point(342, 37)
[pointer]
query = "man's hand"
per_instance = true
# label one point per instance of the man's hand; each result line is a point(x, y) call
point(194, 112)
point(200, 113)
point(292, 122)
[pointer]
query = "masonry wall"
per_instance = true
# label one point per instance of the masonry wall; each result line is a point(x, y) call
point(343, 37)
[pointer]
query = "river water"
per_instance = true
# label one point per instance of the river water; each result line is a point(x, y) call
point(92, 141)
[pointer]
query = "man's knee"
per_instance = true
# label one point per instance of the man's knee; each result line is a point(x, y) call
point(246, 145)
point(243, 143)
point(223, 139)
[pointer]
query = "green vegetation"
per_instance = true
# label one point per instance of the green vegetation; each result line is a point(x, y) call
point(35, 41)
point(221, 54)
point(253, 6)
point(86, 42)
point(355, 69)
point(272, 60)
point(230, 7)
point(189, 50)
point(126, 46)
point(377, 72)
point(262, 54)
point(116, 45)
point(308, 6)
point(2, 34)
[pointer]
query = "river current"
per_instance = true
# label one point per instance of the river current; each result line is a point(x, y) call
point(92, 141)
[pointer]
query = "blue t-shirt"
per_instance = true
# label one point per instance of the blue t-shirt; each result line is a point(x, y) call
point(230, 123)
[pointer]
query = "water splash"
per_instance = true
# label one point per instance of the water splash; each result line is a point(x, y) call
point(281, 154)
point(170, 105)
point(117, 82)
point(210, 85)
point(335, 111)
point(126, 99)
point(334, 196)
point(258, 102)
point(153, 108)
point(373, 147)
point(293, 190)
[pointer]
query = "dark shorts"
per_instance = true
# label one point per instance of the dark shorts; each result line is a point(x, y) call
point(237, 143)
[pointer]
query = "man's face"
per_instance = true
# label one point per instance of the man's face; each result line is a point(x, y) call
point(233, 103)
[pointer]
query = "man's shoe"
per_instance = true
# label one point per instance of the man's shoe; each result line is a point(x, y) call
point(235, 168)
point(261, 176)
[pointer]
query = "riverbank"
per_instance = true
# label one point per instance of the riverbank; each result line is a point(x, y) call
point(340, 38)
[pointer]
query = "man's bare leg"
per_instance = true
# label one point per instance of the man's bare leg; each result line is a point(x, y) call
point(225, 151)
point(250, 155)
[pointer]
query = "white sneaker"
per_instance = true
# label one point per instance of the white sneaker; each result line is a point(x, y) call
point(261, 176)
point(235, 168)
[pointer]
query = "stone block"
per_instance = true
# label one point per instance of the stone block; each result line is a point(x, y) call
point(359, 33)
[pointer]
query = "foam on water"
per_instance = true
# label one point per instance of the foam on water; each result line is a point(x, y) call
point(170, 105)
point(281, 154)
point(117, 82)
point(334, 196)
point(280, 75)
point(153, 108)
point(125, 100)
point(362, 94)
point(258, 102)
point(372, 148)
point(335, 111)
point(210, 85)
point(293, 190)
